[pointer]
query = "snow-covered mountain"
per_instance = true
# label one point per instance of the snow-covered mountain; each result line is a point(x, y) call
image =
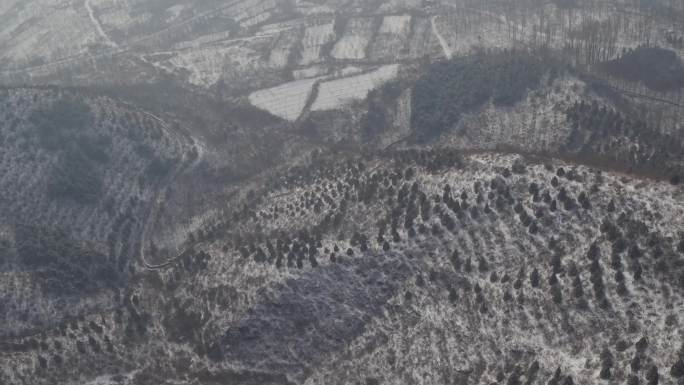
point(341, 192)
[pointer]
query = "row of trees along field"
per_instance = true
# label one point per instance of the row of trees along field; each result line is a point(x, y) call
point(589, 31)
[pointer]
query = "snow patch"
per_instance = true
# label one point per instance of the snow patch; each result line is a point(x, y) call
point(309, 72)
point(174, 11)
point(398, 24)
point(355, 40)
point(336, 93)
point(442, 41)
point(286, 100)
point(315, 36)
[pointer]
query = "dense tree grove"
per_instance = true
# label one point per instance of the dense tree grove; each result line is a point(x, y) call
point(603, 134)
point(62, 129)
point(74, 177)
point(450, 89)
point(658, 68)
point(65, 266)
point(321, 234)
point(376, 118)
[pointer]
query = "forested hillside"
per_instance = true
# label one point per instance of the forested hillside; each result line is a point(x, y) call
point(260, 192)
point(520, 251)
point(78, 176)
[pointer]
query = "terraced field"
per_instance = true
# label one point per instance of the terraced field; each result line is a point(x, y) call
point(287, 100)
point(337, 93)
point(250, 44)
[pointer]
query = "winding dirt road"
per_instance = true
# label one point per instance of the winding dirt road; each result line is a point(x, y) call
point(98, 25)
point(442, 41)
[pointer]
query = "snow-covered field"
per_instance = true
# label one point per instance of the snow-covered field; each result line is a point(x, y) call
point(285, 44)
point(299, 34)
point(310, 72)
point(196, 43)
point(208, 65)
point(392, 38)
point(174, 12)
point(400, 5)
point(396, 24)
point(315, 36)
point(287, 100)
point(311, 8)
point(357, 35)
point(456, 39)
point(422, 41)
point(281, 27)
point(117, 15)
point(253, 12)
point(336, 93)
point(48, 32)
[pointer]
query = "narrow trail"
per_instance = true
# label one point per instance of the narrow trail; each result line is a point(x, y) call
point(256, 180)
point(182, 166)
point(442, 41)
point(98, 25)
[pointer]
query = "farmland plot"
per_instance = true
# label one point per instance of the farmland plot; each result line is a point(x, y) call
point(202, 40)
point(422, 41)
point(203, 65)
point(630, 29)
point(6, 5)
point(174, 12)
point(460, 39)
point(309, 72)
point(348, 71)
point(142, 22)
point(357, 36)
point(392, 38)
point(285, 26)
point(115, 15)
point(393, 6)
point(208, 65)
point(253, 12)
point(286, 43)
point(287, 100)
point(309, 8)
point(336, 93)
point(315, 37)
point(45, 33)
point(139, 21)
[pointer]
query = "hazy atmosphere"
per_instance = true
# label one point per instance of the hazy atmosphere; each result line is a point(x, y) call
point(341, 192)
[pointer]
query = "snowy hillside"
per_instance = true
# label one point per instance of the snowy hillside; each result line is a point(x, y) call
point(257, 192)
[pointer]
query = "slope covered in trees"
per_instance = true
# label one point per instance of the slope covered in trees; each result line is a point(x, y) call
point(658, 68)
point(78, 175)
point(64, 266)
point(450, 89)
point(156, 227)
point(64, 128)
point(623, 141)
point(377, 268)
